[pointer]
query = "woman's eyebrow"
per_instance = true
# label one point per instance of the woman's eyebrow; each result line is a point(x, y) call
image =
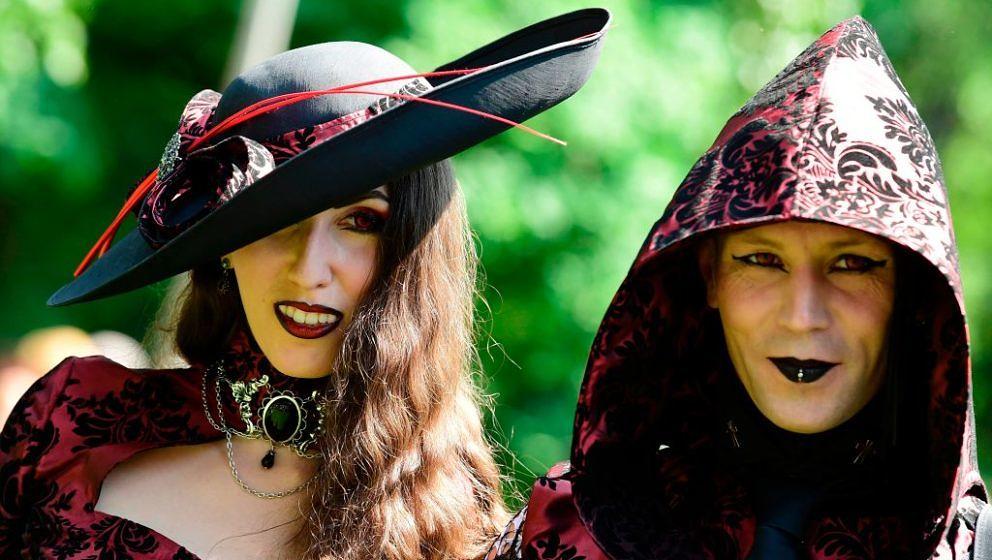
point(376, 194)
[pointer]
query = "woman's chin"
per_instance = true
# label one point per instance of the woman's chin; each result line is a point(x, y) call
point(303, 370)
point(302, 359)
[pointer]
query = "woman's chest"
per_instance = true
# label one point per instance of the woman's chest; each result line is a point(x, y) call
point(187, 495)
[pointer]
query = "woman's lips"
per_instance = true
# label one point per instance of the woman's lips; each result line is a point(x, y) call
point(802, 371)
point(304, 320)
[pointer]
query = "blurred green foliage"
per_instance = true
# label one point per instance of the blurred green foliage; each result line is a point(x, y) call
point(90, 91)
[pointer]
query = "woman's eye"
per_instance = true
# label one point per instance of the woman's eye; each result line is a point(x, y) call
point(857, 263)
point(364, 221)
point(766, 260)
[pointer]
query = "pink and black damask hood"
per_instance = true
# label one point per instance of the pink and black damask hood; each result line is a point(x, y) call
point(834, 138)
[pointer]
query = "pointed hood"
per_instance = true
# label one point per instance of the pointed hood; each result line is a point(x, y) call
point(834, 137)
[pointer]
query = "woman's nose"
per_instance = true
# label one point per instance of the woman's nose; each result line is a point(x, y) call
point(311, 267)
point(805, 306)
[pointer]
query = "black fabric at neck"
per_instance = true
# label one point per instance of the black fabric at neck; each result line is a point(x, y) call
point(846, 464)
point(242, 360)
point(812, 456)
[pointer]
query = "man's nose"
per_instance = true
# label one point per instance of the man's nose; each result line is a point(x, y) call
point(312, 266)
point(805, 306)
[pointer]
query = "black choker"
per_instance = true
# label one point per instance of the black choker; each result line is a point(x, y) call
point(280, 417)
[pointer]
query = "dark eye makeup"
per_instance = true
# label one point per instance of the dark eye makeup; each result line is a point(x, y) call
point(364, 220)
point(858, 263)
point(764, 260)
point(844, 263)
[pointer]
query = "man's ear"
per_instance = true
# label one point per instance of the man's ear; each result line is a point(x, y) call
point(707, 260)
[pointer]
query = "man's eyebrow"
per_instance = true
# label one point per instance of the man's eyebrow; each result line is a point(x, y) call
point(841, 243)
point(759, 239)
point(850, 242)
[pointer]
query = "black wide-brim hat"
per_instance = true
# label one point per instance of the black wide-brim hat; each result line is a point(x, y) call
point(274, 168)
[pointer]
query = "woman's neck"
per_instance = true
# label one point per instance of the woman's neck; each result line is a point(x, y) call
point(273, 421)
point(243, 360)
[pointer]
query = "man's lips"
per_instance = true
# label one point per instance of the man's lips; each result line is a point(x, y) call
point(305, 320)
point(802, 371)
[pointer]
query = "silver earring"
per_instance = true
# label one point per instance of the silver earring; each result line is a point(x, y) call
point(224, 286)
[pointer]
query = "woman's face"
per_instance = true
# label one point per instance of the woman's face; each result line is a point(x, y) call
point(300, 286)
point(805, 309)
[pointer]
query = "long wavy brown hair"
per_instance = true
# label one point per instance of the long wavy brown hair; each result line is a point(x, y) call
point(408, 471)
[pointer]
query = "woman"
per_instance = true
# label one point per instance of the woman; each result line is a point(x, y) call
point(329, 410)
point(784, 372)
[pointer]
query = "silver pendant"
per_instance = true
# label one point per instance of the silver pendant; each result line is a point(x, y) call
point(282, 417)
point(243, 392)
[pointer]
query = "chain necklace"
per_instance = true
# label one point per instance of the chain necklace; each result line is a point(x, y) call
point(272, 423)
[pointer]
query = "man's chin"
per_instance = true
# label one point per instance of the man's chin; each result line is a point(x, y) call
point(803, 417)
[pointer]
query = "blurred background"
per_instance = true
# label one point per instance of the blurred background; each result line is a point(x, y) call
point(90, 91)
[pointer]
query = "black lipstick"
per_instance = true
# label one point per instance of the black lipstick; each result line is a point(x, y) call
point(802, 371)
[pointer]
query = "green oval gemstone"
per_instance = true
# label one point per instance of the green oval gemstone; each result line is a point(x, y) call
point(281, 419)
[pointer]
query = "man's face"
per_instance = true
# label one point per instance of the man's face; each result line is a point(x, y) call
point(805, 308)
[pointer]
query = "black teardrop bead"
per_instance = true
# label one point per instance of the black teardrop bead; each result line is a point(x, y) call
point(269, 459)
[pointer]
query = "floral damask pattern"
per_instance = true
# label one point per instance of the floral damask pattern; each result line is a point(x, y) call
point(862, 43)
point(92, 411)
point(834, 137)
point(29, 502)
point(123, 416)
point(795, 84)
point(118, 538)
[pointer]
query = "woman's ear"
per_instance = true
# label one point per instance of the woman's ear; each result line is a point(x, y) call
point(707, 260)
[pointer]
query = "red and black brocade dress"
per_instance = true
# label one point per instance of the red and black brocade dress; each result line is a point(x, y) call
point(78, 422)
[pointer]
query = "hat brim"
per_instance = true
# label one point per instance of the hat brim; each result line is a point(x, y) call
point(526, 73)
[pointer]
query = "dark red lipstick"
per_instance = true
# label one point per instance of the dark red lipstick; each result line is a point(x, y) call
point(306, 320)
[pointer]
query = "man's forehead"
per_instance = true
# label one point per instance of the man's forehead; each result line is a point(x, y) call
point(796, 232)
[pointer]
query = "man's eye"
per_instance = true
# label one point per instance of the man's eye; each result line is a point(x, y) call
point(364, 221)
point(766, 260)
point(857, 263)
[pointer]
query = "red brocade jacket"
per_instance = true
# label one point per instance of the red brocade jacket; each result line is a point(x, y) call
point(78, 422)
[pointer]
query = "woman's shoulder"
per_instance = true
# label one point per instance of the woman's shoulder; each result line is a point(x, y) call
point(102, 368)
point(91, 377)
point(43, 397)
point(91, 401)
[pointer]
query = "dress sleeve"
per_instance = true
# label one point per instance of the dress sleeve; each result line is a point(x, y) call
point(508, 545)
point(26, 437)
